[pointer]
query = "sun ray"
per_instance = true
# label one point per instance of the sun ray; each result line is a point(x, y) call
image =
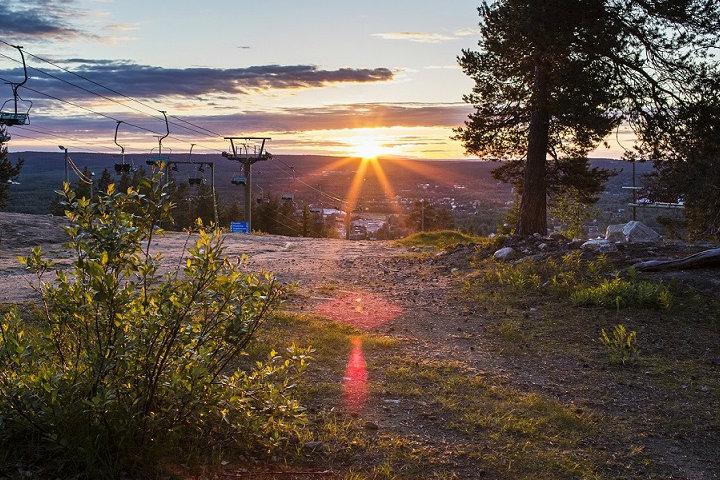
point(428, 171)
point(386, 186)
point(335, 164)
point(356, 187)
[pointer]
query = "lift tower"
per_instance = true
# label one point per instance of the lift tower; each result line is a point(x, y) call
point(247, 151)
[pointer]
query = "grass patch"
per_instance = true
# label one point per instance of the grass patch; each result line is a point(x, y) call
point(585, 282)
point(439, 240)
point(623, 293)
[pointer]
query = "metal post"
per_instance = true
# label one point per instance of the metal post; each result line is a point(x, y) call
point(322, 211)
point(634, 192)
point(422, 215)
point(247, 171)
point(348, 223)
point(67, 177)
point(212, 187)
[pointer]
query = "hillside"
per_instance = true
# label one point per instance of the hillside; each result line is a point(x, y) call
point(465, 180)
point(401, 332)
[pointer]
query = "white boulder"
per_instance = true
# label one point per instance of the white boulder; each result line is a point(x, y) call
point(632, 232)
point(504, 254)
point(614, 233)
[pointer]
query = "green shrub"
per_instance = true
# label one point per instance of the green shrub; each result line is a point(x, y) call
point(130, 366)
point(585, 282)
point(439, 239)
point(560, 276)
point(621, 345)
point(623, 293)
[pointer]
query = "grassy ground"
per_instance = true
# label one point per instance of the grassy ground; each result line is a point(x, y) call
point(670, 394)
point(428, 418)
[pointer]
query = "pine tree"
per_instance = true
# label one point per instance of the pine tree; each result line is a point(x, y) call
point(8, 170)
point(105, 180)
point(688, 167)
point(555, 78)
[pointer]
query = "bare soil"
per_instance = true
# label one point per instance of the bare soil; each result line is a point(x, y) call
point(671, 413)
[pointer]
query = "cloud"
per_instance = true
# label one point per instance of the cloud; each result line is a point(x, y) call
point(429, 37)
point(148, 82)
point(295, 120)
point(467, 32)
point(36, 19)
point(419, 37)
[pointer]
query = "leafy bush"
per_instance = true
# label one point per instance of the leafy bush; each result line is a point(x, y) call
point(130, 366)
point(621, 344)
point(623, 293)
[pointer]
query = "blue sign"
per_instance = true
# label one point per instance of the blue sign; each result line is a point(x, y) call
point(239, 227)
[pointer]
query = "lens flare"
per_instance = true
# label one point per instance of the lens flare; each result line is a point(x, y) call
point(355, 382)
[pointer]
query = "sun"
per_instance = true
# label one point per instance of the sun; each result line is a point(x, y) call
point(368, 149)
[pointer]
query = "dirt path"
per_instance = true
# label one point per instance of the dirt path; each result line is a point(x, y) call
point(385, 288)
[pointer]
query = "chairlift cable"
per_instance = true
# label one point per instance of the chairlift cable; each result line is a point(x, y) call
point(15, 134)
point(67, 70)
point(321, 192)
point(63, 137)
point(109, 117)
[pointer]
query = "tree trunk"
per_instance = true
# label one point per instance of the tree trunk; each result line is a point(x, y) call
point(533, 205)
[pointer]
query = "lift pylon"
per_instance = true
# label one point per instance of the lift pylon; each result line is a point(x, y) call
point(247, 151)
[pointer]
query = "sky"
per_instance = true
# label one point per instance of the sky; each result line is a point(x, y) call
point(331, 77)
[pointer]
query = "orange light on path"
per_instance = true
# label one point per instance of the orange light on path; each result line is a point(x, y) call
point(355, 382)
point(363, 310)
point(360, 309)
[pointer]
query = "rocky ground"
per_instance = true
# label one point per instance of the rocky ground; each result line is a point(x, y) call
point(414, 296)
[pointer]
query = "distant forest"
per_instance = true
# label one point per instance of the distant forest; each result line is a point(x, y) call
point(317, 180)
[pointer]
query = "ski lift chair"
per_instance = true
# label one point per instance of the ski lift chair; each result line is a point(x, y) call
point(123, 167)
point(197, 181)
point(16, 116)
point(238, 180)
point(156, 158)
point(288, 197)
point(160, 158)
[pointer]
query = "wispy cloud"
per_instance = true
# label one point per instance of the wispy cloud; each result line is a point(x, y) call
point(419, 37)
point(428, 37)
point(467, 32)
point(148, 82)
point(332, 117)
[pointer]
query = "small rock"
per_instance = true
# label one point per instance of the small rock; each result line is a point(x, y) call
point(543, 246)
point(576, 244)
point(599, 245)
point(371, 426)
point(313, 445)
point(504, 254)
